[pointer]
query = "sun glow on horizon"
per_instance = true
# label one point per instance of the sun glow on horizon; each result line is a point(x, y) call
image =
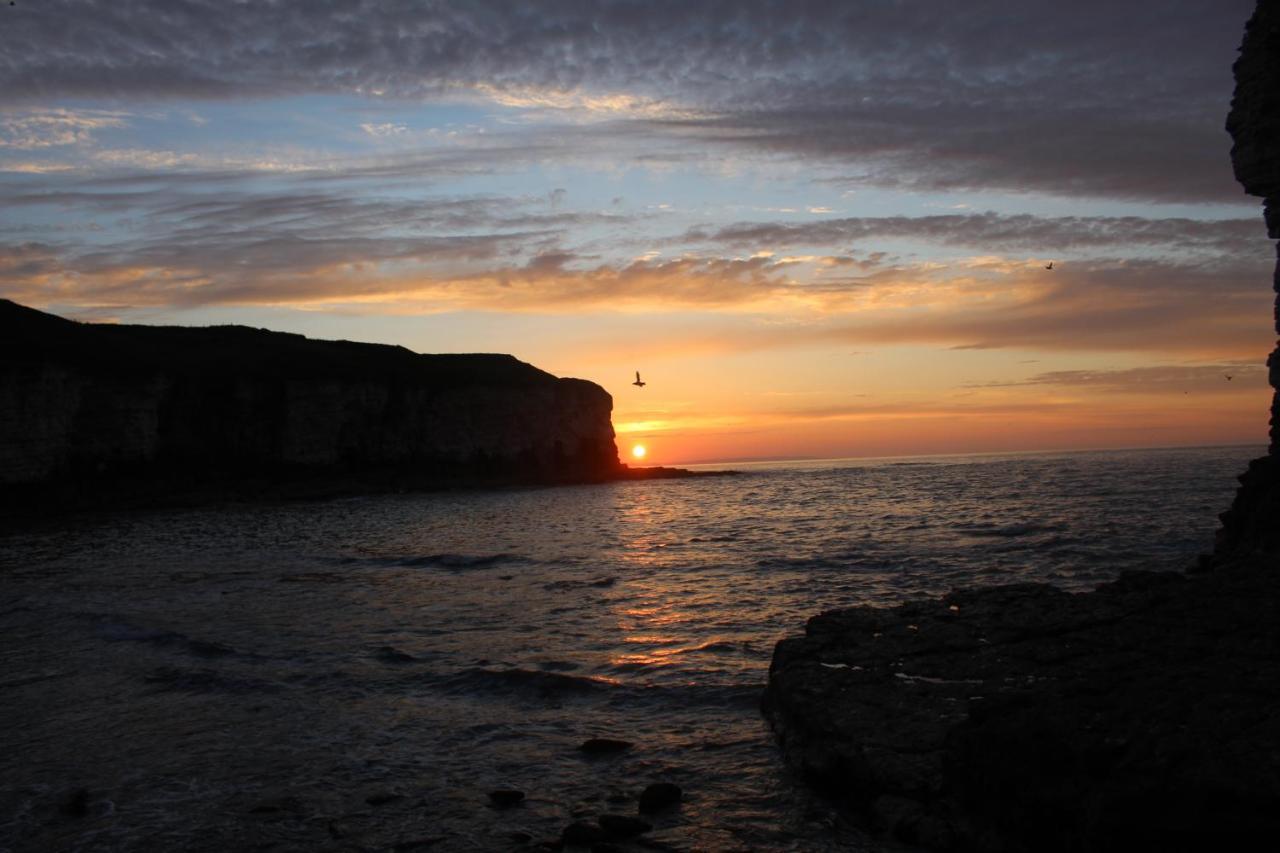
point(638, 451)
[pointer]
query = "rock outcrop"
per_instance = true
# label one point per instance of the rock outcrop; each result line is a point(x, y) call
point(89, 409)
point(1252, 524)
point(1142, 716)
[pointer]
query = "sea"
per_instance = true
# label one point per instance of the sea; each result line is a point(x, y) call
point(360, 674)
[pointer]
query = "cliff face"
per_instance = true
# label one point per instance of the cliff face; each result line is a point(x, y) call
point(84, 404)
point(1252, 524)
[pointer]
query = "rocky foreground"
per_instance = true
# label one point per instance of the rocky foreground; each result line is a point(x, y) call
point(1142, 716)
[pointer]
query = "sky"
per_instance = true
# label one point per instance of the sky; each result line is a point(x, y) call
point(818, 229)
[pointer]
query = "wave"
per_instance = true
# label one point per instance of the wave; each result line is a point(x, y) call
point(1007, 531)
point(557, 586)
point(848, 561)
point(205, 681)
point(124, 632)
point(720, 647)
point(556, 687)
point(530, 683)
point(453, 562)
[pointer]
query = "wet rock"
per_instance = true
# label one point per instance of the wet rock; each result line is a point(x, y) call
point(604, 746)
point(1137, 716)
point(605, 847)
point(390, 654)
point(896, 815)
point(75, 803)
point(660, 795)
point(623, 826)
point(505, 798)
point(582, 834)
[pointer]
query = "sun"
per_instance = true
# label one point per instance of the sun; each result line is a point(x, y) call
point(638, 451)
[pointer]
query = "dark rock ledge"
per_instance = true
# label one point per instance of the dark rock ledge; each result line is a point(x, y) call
point(1142, 716)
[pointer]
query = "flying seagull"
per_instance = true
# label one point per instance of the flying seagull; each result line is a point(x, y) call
point(1050, 266)
point(639, 383)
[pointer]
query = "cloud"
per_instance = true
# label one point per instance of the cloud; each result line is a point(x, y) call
point(269, 254)
point(1092, 99)
point(47, 128)
point(384, 129)
point(1050, 235)
point(1160, 379)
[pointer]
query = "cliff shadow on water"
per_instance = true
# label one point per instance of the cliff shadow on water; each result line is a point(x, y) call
point(94, 414)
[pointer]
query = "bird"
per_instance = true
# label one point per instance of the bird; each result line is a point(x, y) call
point(639, 383)
point(1049, 266)
point(1228, 375)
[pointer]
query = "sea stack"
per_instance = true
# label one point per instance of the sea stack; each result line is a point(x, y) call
point(98, 411)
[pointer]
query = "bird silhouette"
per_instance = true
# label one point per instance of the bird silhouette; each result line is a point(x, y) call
point(1049, 266)
point(639, 383)
point(1228, 375)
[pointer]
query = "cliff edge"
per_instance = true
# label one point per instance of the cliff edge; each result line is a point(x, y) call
point(1252, 524)
point(93, 410)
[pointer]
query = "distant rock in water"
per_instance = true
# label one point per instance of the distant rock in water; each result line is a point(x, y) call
point(88, 410)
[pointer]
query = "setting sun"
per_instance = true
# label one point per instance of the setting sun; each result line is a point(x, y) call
point(638, 451)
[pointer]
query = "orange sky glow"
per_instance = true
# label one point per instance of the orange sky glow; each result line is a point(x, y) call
point(831, 244)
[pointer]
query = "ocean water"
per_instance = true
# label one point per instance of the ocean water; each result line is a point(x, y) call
point(358, 674)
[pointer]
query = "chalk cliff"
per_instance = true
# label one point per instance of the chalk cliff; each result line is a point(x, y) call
point(85, 406)
point(1252, 525)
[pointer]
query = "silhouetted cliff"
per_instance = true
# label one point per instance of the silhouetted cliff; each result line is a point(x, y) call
point(1252, 525)
point(90, 407)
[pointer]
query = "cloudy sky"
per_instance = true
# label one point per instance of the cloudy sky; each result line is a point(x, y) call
point(818, 228)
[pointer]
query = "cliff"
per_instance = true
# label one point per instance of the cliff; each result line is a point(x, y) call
point(92, 409)
point(1144, 715)
point(1252, 524)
